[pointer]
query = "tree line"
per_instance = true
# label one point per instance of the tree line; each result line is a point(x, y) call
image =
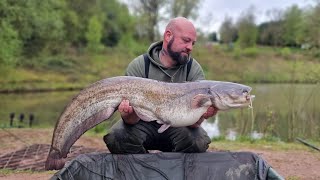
point(292, 27)
point(31, 28)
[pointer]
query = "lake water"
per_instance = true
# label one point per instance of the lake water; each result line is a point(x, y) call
point(285, 111)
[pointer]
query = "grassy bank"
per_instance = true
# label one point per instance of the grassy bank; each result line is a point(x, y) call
point(78, 69)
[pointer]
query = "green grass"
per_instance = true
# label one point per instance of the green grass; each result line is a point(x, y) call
point(6, 172)
point(77, 70)
point(259, 145)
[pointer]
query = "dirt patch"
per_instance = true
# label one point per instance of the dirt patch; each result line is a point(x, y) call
point(292, 164)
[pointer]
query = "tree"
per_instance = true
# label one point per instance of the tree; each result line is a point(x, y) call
point(184, 8)
point(247, 30)
point(293, 26)
point(228, 31)
point(148, 11)
point(72, 27)
point(112, 15)
point(312, 27)
point(10, 44)
point(117, 22)
point(270, 33)
point(213, 37)
point(94, 33)
point(39, 23)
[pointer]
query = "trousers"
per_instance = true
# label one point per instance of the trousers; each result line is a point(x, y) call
point(143, 136)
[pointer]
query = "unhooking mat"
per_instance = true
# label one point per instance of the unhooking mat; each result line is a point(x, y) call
point(168, 166)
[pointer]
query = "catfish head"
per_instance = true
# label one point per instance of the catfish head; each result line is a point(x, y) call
point(227, 95)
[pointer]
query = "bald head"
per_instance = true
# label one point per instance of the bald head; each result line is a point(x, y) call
point(179, 24)
point(178, 40)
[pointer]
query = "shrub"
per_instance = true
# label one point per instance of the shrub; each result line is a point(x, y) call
point(250, 52)
point(285, 52)
point(10, 44)
point(218, 138)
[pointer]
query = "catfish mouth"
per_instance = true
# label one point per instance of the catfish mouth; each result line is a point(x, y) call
point(244, 100)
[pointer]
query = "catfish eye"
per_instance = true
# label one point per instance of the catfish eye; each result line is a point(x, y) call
point(245, 91)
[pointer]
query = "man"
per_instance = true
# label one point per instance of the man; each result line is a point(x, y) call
point(169, 61)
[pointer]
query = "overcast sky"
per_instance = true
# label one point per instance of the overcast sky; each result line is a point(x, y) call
point(213, 12)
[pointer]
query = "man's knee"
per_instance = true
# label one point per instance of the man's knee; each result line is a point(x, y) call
point(119, 141)
point(192, 141)
point(196, 146)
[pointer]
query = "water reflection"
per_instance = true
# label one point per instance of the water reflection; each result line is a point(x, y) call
point(42, 108)
point(212, 129)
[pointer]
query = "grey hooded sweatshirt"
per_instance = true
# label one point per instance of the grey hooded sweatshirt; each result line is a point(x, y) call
point(157, 71)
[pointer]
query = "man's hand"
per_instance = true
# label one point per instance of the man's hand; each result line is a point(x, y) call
point(210, 112)
point(127, 113)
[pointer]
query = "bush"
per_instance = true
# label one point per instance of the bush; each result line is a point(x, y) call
point(10, 44)
point(218, 138)
point(270, 138)
point(55, 63)
point(236, 53)
point(250, 52)
point(245, 139)
point(316, 54)
point(285, 52)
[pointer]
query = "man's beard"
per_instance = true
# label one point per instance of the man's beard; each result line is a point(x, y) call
point(176, 56)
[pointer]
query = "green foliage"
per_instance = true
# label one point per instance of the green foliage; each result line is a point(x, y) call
point(131, 46)
point(10, 44)
point(213, 37)
point(247, 31)
point(293, 178)
point(250, 52)
point(184, 8)
point(245, 139)
point(249, 139)
point(72, 27)
point(58, 63)
point(270, 33)
point(228, 31)
point(310, 26)
point(316, 54)
point(105, 127)
point(39, 23)
point(293, 26)
point(285, 52)
point(239, 53)
point(218, 138)
point(94, 34)
point(269, 138)
point(53, 27)
point(117, 22)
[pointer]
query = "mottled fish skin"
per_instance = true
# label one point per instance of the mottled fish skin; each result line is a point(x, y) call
point(171, 104)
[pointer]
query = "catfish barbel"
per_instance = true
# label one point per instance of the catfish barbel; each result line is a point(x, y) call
point(170, 104)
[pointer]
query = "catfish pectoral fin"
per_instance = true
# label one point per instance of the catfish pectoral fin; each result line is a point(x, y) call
point(201, 100)
point(163, 128)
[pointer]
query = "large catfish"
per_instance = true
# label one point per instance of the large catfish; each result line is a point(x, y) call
point(170, 104)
